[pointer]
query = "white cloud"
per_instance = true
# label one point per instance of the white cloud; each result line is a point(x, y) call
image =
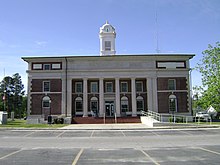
point(41, 43)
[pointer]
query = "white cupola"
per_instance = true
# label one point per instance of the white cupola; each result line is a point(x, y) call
point(107, 36)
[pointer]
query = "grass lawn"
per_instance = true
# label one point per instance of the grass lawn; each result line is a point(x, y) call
point(17, 123)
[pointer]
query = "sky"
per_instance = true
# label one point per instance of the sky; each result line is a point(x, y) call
point(71, 27)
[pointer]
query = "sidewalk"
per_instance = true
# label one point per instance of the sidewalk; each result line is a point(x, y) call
point(131, 126)
point(105, 126)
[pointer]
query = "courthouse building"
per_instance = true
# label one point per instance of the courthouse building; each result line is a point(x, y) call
point(108, 84)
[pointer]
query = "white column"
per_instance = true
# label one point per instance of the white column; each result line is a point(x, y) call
point(63, 101)
point(133, 97)
point(69, 97)
point(101, 98)
point(85, 98)
point(152, 94)
point(117, 97)
point(155, 101)
point(149, 94)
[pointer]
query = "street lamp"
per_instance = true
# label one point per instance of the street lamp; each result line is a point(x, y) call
point(49, 117)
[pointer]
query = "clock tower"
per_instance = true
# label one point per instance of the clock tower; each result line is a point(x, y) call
point(107, 36)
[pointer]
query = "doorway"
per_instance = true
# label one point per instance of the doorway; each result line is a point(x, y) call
point(109, 108)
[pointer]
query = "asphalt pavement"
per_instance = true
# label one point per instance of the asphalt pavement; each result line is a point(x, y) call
point(86, 147)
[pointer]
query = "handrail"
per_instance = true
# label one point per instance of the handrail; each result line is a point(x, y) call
point(160, 117)
point(115, 117)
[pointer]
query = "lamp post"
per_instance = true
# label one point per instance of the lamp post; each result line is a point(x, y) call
point(50, 117)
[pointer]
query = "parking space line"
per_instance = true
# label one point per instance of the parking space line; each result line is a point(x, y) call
point(186, 132)
point(29, 134)
point(92, 133)
point(60, 134)
point(15, 152)
point(214, 152)
point(123, 133)
point(77, 157)
point(153, 132)
point(148, 156)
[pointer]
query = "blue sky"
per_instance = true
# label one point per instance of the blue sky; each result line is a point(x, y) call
point(71, 27)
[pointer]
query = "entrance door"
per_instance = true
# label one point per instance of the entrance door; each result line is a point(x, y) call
point(109, 108)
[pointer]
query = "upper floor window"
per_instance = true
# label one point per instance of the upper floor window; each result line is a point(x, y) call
point(46, 66)
point(79, 87)
point(139, 86)
point(107, 45)
point(94, 87)
point(46, 86)
point(109, 87)
point(171, 84)
point(37, 66)
point(124, 87)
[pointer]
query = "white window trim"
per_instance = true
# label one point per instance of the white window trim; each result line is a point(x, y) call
point(124, 99)
point(94, 83)
point(107, 88)
point(140, 98)
point(108, 48)
point(124, 82)
point(176, 101)
point(76, 87)
point(44, 88)
point(79, 99)
point(46, 98)
point(37, 66)
point(174, 84)
point(46, 65)
point(141, 86)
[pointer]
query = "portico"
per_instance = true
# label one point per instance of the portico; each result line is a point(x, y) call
point(109, 97)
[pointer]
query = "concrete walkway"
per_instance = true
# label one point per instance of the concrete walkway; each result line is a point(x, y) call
point(105, 126)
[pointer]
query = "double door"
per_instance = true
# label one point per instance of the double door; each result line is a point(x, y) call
point(109, 108)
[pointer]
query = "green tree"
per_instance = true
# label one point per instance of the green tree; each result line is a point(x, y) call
point(12, 90)
point(209, 67)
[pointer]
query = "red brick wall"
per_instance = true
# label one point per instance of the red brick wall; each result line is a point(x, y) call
point(181, 83)
point(55, 85)
point(56, 98)
point(163, 101)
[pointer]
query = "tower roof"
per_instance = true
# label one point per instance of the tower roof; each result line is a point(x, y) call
point(107, 28)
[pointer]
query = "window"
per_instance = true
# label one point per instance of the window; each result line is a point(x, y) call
point(124, 87)
point(139, 86)
point(78, 87)
point(107, 45)
point(94, 87)
point(79, 104)
point(46, 86)
point(140, 103)
point(46, 66)
point(171, 84)
point(109, 87)
point(172, 103)
point(37, 66)
point(46, 102)
point(124, 104)
point(94, 106)
point(56, 66)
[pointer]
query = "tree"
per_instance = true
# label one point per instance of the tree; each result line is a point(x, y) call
point(12, 90)
point(209, 67)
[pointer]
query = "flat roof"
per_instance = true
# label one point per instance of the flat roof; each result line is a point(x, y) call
point(190, 55)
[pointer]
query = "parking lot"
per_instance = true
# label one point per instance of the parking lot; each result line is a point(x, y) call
point(171, 146)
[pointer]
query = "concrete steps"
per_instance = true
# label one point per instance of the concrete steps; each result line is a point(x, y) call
point(99, 120)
